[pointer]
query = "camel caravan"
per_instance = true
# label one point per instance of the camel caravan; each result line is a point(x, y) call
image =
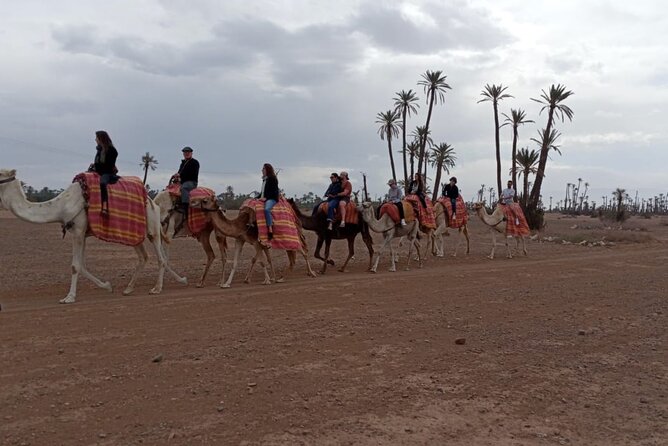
point(116, 209)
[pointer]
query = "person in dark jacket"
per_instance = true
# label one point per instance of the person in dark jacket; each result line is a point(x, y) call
point(416, 187)
point(105, 166)
point(330, 194)
point(270, 194)
point(451, 191)
point(188, 176)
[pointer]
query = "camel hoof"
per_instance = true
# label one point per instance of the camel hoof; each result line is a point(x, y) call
point(281, 280)
point(394, 270)
point(266, 282)
point(128, 291)
point(107, 286)
point(68, 300)
point(199, 285)
point(490, 257)
point(225, 285)
point(155, 290)
point(183, 280)
point(341, 270)
point(330, 262)
point(372, 271)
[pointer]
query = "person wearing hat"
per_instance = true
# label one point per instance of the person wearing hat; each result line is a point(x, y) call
point(394, 195)
point(508, 198)
point(451, 191)
point(188, 175)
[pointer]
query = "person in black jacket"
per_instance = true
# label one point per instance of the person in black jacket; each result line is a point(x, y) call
point(105, 166)
point(451, 191)
point(270, 193)
point(188, 175)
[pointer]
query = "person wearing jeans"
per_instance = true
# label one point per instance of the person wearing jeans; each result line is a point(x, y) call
point(270, 194)
point(105, 165)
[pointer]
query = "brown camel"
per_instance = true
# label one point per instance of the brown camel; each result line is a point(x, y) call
point(243, 232)
point(174, 225)
point(318, 224)
point(497, 224)
point(442, 225)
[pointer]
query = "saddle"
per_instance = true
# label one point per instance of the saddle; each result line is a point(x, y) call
point(393, 212)
point(352, 214)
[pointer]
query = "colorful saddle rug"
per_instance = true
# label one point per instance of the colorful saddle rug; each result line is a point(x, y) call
point(352, 214)
point(516, 222)
point(462, 216)
point(286, 228)
point(197, 220)
point(425, 216)
point(393, 212)
point(126, 222)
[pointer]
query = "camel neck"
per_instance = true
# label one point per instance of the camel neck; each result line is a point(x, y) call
point(383, 225)
point(492, 219)
point(231, 228)
point(59, 209)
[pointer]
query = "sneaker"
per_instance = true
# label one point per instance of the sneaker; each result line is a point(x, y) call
point(104, 212)
point(403, 222)
point(329, 226)
point(342, 225)
point(517, 221)
point(270, 235)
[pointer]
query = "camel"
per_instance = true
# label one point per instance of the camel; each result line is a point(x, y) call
point(391, 230)
point(442, 225)
point(318, 224)
point(174, 225)
point(497, 223)
point(241, 230)
point(69, 209)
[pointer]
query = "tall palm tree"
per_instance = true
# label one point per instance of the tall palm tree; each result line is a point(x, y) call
point(443, 159)
point(148, 162)
point(552, 100)
point(516, 118)
point(389, 127)
point(406, 103)
point(526, 162)
point(435, 87)
point(495, 93)
point(413, 149)
point(619, 195)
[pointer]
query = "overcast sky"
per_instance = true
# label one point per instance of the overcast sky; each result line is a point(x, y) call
point(299, 83)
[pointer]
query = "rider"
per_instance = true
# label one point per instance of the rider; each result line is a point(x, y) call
point(188, 176)
point(451, 191)
point(346, 191)
point(105, 165)
point(394, 195)
point(270, 193)
point(508, 197)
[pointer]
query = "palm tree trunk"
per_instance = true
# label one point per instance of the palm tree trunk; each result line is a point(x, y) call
point(525, 198)
point(437, 182)
point(389, 148)
point(542, 161)
point(514, 166)
point(404, 150)
point(423, 142)
point(498, 148)
point(145, 173)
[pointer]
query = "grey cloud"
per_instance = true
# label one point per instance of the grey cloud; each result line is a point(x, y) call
point(458, 26)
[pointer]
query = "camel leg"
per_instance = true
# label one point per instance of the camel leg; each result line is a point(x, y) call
point(386, 241)
point(205, 241)
point(524, 246)
point(351, 253)
point(316, 253)
point(142, 257)
point(269, 271)
point(238, 245)
point(368, 241)
point(309, 270)
point(326, 260)
point(468, 240)
point(222, 247)
point(258, 257)
point(510, 254)
point(491, 255)
point(78, 266)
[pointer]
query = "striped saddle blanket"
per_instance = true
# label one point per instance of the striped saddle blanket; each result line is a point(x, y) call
point(126, 222)
point(393, 212)
point(516, 222)
point(425, 216)
point(462, 216)
point(197, 221)
point(352, 214)
point(286, 228)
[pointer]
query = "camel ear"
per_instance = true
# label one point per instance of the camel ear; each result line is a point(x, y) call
point(12, 173)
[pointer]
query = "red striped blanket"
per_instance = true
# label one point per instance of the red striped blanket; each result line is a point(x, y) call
point(425, 216)
point(513, 211)
point(286, 231)
point(352, 214)
point(393, 212)
point(197, 221)
point(462, 216)
point(126, 223)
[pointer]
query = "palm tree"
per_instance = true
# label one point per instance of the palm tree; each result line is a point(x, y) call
point(148, 162)
point(619, 195)
point(495, 93)
point(389, 127)
point(413, 148)
point(405, 102)
point(421, 136)
point(516, 118)
point(435, 87)
point(527, 162)
point(552, 100)
point(443, 159)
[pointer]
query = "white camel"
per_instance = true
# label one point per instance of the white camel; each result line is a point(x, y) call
point(442, 225)
point(497, 224)
point(172, 220)
point(391, 230)
point(69, 209)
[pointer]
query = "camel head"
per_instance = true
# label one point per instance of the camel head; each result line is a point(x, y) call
point(206, 203)
point(479, 205)
point(6, 174)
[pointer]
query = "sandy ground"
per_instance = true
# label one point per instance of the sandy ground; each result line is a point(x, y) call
point(566, 346)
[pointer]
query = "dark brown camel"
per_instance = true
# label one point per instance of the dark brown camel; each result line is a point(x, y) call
point(318, 224)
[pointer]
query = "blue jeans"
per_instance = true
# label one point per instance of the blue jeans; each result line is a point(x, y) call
point(267, 211)
point(453, 201)
point(185, 191)
point(331, 207)
point(105, 178)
